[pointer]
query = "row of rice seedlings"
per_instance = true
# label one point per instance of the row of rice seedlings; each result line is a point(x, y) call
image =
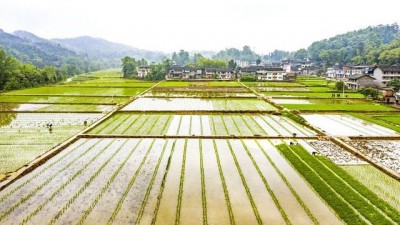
point(224, 186)
point(44, 183)
point(130, 120)
point(287, 125)
point(376, 211)
point(190, 125)
point(64, 185)
point(279, 123)
point(136, 124)
point(344, 209)
point(179, 125)
point(86, 184)
point(127, 126)
point(146, 126)
point(109, 182)
point(99, 128)
point(301, 128)
point(250, 197)
point(218, 125)
point(203, 183)
point(360, 189)
point(150, 186)
point(269, 124)
point(67, 153)
point(201, 126)
point(253, 125)
point(181, 180)
point(132, 181)
point(267, 186)
point(163, 184)
point(164, 128)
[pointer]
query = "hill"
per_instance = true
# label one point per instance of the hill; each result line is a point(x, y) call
point(105, 49)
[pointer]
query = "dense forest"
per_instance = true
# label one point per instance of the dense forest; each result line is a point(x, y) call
point(372, 45)
point(245, 54)
point(17, 75)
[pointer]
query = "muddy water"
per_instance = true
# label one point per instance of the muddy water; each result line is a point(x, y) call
point(196, 125)
point(205, 122)
point(313, 202)
point(169, 201)
point(217, 210)
point(132, 204)
point(241, 207)
point(174, 125)
point(150, 207)
point(269, 213)
point(192, 209)
point(185, 125)
point(267, 128)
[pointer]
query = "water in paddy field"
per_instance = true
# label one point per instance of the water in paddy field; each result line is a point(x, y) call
point(345, 125)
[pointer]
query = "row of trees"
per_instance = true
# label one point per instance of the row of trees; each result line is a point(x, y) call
point(16, 75)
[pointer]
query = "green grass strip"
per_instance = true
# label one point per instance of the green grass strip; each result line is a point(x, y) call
point(362, 190)
point(253, 204)
point(364, 206)
point(226, 192)
point(344, 209)
point(131, 182)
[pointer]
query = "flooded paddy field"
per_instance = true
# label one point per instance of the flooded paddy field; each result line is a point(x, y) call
point(336, 104)
point(25, 136)
point(346, 125)
point(205, 94)
point(184, 181)
point(195, 104)
point(60, 90)
point(60, 99)
point(55, 107)
point(199, 125)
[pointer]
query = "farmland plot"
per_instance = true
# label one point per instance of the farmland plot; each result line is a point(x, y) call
point(60, 99)
point(187, 104)
point(25, 136)
point(384, 152)
point(344, 125)
point(155, 93)
point(59, 90)
point(127, 181)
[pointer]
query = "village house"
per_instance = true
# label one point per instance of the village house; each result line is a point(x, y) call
point(142, 71)
point(384, 74)
point(271, 74)
point(359, 81)
point(223, 74)
point(181, 72)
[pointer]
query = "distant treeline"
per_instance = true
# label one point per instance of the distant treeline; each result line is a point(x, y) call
point(16, 75)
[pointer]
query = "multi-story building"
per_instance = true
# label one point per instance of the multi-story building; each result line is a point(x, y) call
point(358, 81)
point(384, 74)
point(142, 71)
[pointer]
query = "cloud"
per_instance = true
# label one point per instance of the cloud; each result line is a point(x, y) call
point(209, 24)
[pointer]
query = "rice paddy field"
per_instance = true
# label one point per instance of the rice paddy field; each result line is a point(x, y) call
point(195, 152)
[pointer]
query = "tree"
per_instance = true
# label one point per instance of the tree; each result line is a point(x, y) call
point(258, 61)
point(395, 84)
point(232, 64)
point(248, 78)
point(129, 66)
point(370, 92)
point(339, 86)
point(156, 73)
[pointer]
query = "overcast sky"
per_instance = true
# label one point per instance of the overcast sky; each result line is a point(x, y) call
point(170, 25)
